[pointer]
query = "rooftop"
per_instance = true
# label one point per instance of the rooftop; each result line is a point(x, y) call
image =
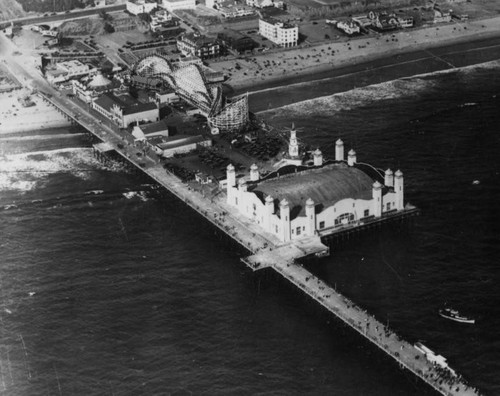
point(274, 21)
point(126, 103)
point(154, 127)
point(198, 39)
point(180, 140)
point(324, 186)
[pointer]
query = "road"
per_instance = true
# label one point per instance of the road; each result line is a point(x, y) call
point(62, 16)
point(376, 71)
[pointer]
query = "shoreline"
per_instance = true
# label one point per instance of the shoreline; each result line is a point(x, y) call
point(14, 118)
point(359, 76)
point(311, 63)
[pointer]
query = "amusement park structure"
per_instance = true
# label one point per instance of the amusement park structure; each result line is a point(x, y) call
point(190, 84)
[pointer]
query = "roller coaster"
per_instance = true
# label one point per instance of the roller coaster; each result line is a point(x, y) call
point(190, 84)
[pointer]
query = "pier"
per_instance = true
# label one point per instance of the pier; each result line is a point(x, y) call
point(266, 251)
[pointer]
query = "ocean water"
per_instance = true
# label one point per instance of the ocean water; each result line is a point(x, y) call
point(111, 287)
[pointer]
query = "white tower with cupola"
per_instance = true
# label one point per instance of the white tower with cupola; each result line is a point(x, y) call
point(231, 182)
point(293, 145)
point(339, 150)
point(377, 199)
point(311, 217)
point(399, 190)
point(318, 157)
point(285, 220)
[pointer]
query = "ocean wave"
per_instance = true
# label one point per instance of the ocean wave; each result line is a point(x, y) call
point(407, 87)
point(142, 195)
point(94, 192)
point(40, 137)
point(77, 199)
point(355, 98)
point(25, 171)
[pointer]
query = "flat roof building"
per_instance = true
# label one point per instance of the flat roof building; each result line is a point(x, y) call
point(123, 110)
point(67, 70)
point(236, 41)
point(172, 5)
point(280, 33)
point(137, 7)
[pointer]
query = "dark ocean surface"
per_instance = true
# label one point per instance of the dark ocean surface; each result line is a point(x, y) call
point(108, 287)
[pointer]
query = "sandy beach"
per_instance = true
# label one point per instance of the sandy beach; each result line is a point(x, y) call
point(16, 118)
point(305, 60)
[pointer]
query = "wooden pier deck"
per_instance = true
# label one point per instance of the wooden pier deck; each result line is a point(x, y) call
point(268, 252)
point(442, 380)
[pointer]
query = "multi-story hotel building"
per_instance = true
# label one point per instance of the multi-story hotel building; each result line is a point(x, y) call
point(280, 33)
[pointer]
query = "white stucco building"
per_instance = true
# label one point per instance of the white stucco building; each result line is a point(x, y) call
point(137, 7)
point(299, 201)
point(280, 33)
point(349, 27)
point(172, 5)
point(67, 70)
point(124, 110)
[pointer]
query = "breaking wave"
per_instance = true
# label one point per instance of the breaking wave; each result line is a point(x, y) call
point(142, 195)
point(87, 198)
point(24, 172)
point(407, 87)
point(40, 137)
point(352, 99)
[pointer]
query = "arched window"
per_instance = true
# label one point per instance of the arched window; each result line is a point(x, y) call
point(344, 218)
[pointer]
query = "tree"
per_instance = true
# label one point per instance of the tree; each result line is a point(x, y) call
point(144, 17)
point(108, 28)
point(105, 16)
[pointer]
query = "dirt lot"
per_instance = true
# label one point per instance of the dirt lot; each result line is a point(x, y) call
point(119, 39)
point(29, 40)
point(11, 9)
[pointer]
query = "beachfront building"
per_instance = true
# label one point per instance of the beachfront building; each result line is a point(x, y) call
point(143, 132)
point(173, 5)
point(280, 33)
point(87, 90)
point(233, 11)
point(236, 41)
point(406, 21)
point(441, 16)
point(260, 3)
point(201, 46)
point(124, 110)
point(136, 7)
point(304, 201)
point(349, 27)
point(385, 22)
point(65, 71)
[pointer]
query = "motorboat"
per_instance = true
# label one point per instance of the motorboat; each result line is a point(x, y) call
point(453, 314)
